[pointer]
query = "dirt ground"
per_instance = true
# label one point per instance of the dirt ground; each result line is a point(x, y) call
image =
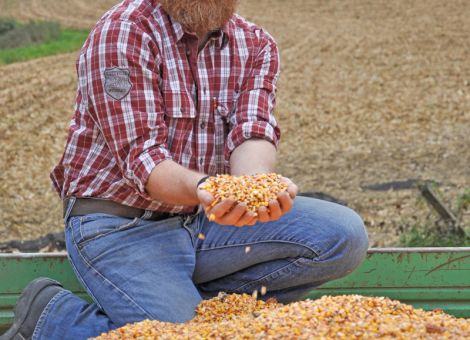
point(371, 91)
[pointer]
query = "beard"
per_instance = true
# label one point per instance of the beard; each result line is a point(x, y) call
point(200, 16)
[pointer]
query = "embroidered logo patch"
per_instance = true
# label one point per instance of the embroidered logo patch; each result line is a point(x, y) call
point(117, 83)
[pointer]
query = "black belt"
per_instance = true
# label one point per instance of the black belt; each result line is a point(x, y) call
point(84, 206)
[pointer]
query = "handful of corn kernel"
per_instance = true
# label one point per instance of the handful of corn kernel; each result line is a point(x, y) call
point(330, 317)
point(253, 190)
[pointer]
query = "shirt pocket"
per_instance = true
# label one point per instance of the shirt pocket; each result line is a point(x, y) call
point(178, 104)
point(180, 118)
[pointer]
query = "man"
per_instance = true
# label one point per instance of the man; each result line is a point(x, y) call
point(168, 93)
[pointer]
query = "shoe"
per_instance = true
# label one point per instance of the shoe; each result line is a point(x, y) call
point(29, 307)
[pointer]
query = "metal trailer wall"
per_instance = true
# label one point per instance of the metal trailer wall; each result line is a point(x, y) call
point(426, 278)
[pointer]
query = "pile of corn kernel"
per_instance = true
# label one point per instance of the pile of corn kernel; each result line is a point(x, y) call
point(253, 190)
point(339, 317)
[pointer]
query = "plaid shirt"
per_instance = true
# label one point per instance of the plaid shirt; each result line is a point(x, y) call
point(145, 94)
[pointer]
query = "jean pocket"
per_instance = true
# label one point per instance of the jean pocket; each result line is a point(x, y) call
point(95, 226)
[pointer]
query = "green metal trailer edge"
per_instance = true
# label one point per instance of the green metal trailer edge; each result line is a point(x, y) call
point(427, 278)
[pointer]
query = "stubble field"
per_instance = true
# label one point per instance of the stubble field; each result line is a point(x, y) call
point(370, 92)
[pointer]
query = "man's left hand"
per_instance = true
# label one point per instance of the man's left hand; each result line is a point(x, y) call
point(277, 208)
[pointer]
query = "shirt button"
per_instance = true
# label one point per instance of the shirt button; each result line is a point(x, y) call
point(201, 160)
point(188, 52)
point(203, 125)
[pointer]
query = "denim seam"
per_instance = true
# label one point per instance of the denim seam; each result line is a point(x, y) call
point(265, 277)
point(114, 231)
point(122, 227)
point(44, 313)
point(96, 258)
point(186, 222)
point(107, 281)
point(79, 276)
point(311, 248)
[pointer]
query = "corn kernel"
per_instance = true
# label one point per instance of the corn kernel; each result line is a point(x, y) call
point(263, 290)
point(340, 317)
point(254, 190)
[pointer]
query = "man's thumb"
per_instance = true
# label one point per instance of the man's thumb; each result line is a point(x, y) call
point(204, 197)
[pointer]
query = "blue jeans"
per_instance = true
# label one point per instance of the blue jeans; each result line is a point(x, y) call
point(136, 269)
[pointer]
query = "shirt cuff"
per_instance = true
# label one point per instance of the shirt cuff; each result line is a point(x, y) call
point(144, 165)
point(251, 130)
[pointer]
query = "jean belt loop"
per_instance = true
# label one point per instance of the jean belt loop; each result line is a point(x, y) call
point(189, 218)
point(147, 214)
point(199, 209)
point(68, 210)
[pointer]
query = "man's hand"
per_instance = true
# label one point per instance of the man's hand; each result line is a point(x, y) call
point(229, 212)
point(277, 208)
point(259, 156)
point(226, 212)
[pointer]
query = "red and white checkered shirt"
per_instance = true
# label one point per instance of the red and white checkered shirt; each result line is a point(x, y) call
point(145, 94)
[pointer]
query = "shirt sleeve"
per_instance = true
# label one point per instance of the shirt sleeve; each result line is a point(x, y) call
point(124, 100)
point(253, 115)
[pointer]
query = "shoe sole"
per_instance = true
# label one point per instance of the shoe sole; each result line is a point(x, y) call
point(22, 308)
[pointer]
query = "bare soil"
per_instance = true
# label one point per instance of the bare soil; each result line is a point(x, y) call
point(370, 92)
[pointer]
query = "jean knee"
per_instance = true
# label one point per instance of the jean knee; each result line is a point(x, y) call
point(353, 240)
point(334, 231)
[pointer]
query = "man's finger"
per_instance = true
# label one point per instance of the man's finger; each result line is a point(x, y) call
point(293, 190)
point(274, 210)
point(233, 216)
point(263, 215)
point(222, 208)
point(285, 202)
point(205, 197)
point(252, 221)
point(246, 219)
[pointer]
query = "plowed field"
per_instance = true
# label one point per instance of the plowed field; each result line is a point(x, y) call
point(370, 92)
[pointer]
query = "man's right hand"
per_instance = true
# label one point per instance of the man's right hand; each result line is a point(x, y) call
point(226, 212)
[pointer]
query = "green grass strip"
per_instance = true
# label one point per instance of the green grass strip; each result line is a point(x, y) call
point(68, 41)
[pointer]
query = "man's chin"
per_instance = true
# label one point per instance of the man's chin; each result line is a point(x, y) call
point(200, 16)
